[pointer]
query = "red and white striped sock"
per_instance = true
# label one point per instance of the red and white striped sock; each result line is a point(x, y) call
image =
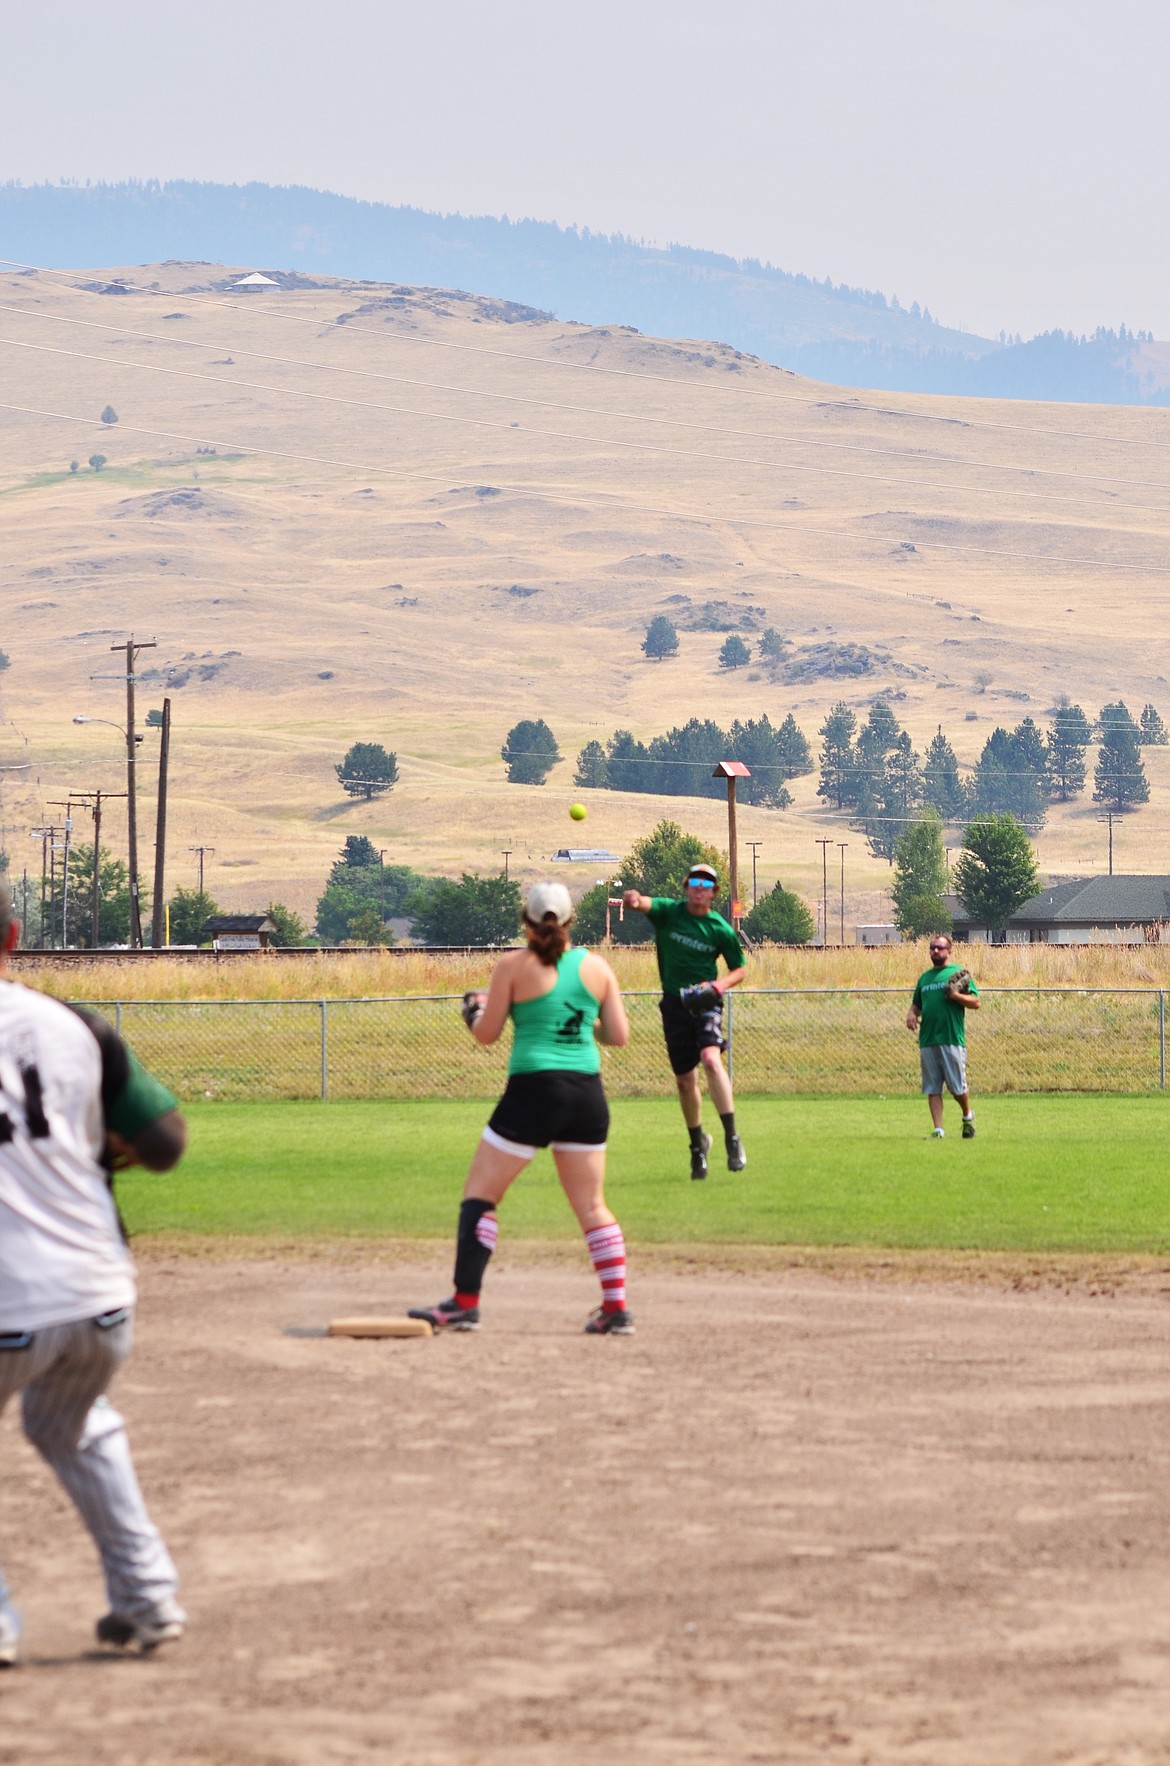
point(607, 1247)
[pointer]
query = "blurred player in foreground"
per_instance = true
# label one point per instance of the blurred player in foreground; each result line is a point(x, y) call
point(690, 938)
point(554, 996)
point(74, 1104)
point(942, 998)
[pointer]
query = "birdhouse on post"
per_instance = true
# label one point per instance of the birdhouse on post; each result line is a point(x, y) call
point(731, 770)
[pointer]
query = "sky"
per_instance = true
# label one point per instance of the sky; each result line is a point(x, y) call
point(1004, 162)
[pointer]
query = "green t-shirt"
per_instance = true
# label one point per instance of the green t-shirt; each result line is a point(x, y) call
point(943, 1022)
point(690, 945)
point(555, 1032)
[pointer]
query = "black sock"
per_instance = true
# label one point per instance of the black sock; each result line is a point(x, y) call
point(696, 1135)
point(474, 1245)
point(728, 1122)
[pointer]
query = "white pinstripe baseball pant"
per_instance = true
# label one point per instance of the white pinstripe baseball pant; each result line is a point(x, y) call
point(62, 1374)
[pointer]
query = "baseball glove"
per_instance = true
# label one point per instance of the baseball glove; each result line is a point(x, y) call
point(471, 1008)
point(960, 982)
point(700, 998)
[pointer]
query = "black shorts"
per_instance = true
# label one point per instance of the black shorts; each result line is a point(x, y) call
point(688, 1032)
point(565, 1111)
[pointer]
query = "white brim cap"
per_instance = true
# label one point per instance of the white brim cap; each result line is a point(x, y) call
point(549, 898)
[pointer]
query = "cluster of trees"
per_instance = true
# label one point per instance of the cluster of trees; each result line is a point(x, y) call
point(679, 763)
point(661, 642)
point(874, 772)
point(362, 895)
point(995, 874)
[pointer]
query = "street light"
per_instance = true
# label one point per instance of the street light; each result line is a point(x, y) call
point(132, 819)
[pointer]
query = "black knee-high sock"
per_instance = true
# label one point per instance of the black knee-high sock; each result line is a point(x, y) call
point(696, 1135)
point(728, 1122)
point(476, 1242)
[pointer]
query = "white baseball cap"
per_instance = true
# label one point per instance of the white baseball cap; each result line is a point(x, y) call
point(549, 898)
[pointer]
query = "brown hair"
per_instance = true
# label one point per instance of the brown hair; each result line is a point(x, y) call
point(547, 939)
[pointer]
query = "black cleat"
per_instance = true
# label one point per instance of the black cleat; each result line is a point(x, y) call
point(448, 1315)
point(736, 1157)
point(609, 1324)
point(699, 1158)
point(145, 1634)
point(968, 1128)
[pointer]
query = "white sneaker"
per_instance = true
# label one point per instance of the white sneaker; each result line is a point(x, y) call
point(938, 1134)
point(9, 1636)
point(165, 1626)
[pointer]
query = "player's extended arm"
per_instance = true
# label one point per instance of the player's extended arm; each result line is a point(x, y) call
point(159, 1145)
point(600, 979)
point(488, 1026)
point(732, 978)
point(634, 898)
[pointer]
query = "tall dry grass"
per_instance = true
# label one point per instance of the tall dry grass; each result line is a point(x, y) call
point(367, 974)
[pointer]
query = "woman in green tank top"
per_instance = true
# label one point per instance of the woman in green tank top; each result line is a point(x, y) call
point(561, 1002)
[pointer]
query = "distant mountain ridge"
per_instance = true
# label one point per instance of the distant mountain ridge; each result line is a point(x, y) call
point(830, 332)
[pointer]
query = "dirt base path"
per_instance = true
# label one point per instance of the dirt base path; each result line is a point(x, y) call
point(795, 1518)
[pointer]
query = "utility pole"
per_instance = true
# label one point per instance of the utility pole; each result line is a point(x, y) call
point(382, 883)
point(754, 844)
point(842, 844)
point(824, 846)
point(731, 770)
point(1108, 817)
point(132, 648)
point(160, 832)
point(506, 853)
point(67, 830)
point(201, 850)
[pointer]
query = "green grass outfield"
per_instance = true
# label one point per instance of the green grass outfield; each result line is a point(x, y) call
point(1066, 1173)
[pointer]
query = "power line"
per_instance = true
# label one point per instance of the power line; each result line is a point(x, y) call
point(586, 498)
point(867, 448)
point(707, 456)
point(252, 306)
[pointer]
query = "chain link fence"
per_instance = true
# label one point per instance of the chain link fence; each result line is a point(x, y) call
point(782, 1041)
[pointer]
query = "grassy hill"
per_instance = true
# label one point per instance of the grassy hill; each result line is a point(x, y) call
point(427, 515)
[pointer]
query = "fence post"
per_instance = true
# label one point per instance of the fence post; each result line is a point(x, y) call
point(118, 1016)
point(324, 1049)
point(1162, 1038)
point(730, 1058)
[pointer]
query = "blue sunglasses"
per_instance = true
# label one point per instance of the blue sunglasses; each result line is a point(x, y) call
point(699, 883)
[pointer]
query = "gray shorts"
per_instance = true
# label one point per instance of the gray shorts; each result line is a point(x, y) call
point(944, 1068)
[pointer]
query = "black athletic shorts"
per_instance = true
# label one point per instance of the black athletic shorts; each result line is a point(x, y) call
point(565, 1111)
point(688, 1032)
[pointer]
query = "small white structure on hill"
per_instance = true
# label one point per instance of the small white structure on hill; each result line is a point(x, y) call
point(255, 283)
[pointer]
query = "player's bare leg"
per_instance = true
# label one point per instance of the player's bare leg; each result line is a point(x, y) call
point(936, 1111)
point(582, 1174)
point(719, 1086)
point(493, 1170)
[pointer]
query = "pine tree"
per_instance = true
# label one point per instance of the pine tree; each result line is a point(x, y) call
point(530, 752)
point(592, 771)
point(1069, 734)
point(1006, 782)
point(1119, 781)
point(733, 652)
point(1153, 732)
point(875, 742)
point(942, 787)
point(661, 639)
point(898, 796)
point(368, 771)
point(627, 764)
point(838, 756)
point(794, 748)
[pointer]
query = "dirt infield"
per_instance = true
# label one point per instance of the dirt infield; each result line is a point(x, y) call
point(798, 1517)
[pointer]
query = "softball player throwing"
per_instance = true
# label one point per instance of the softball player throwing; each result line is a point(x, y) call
point(554, 1098)
point(73, 1104)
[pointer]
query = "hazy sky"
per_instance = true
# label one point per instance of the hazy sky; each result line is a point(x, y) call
point(1005, 162)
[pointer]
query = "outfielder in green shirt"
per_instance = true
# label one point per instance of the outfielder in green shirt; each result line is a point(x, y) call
point(943, 996)
point(690, 938)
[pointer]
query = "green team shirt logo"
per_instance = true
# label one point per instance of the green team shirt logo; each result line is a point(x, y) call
point(690, 945)
point(943, 1022)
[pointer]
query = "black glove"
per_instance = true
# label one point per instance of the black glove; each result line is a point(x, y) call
point(471, 1008)
point(702, 997)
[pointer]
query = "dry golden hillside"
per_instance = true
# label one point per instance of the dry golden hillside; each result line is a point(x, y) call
point(428, 515)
